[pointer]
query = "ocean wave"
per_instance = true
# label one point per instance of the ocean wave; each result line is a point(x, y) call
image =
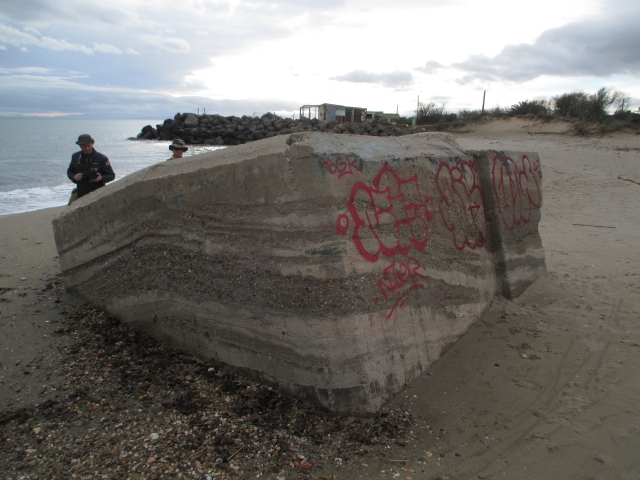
point(33, 175)
point(28, 199)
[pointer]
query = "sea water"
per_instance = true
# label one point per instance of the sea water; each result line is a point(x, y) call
point(35, 154)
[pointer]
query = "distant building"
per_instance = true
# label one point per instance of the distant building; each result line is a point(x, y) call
point(389, 117)
point(372, 115)
point(334, 113)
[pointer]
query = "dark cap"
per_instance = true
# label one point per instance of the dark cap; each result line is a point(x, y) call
point(178, 144)
point(85, 138)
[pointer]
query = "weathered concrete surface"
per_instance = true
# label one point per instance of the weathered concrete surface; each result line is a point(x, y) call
point(337, 268)
point(513, 214)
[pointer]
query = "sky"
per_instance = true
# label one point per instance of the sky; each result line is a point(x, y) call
point(154, 58)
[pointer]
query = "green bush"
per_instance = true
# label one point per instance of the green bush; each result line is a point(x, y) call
point(579, 106)
point(533, 107)
point(627, 116)
point(429, 113)
point(469, 114)
point(497, 111)
point(584, 106)
point(569, 104)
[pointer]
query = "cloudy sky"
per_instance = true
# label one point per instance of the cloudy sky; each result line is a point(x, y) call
point(153, 58)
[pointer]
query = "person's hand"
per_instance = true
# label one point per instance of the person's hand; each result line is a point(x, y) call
point(77, 177)
point(97, 179)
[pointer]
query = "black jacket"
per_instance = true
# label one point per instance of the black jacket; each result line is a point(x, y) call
point(90, 165)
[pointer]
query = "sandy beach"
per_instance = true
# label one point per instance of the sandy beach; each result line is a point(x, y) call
point(544, 386)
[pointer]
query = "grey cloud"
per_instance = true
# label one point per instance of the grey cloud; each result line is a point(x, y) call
point(26, 9)
point(28, 91)
point(68, 11)
point(122, 23)
point(36, 78)
point(597, 48)
point(395, 79)
point(430, 67)
point(169, 44)
point(106, 48)
point(441, 98)
point(298, 5)
point(25, 71)
point(32, 30)
point(18, 38)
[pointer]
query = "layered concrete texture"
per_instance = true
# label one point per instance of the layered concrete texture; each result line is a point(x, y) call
point(513, 214)
point(336, 268)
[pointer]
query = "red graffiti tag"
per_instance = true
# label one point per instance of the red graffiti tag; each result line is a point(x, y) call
point(517, 189)
point(390, 217)
point(342, 166)
point(461, 204)
point(399, 279)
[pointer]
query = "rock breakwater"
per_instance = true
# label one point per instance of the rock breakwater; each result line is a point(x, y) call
point(218, 130)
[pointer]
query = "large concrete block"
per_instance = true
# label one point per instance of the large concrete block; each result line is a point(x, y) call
point(336, 268)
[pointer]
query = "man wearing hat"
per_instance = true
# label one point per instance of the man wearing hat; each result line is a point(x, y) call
point(178, 147)
point(88, 169)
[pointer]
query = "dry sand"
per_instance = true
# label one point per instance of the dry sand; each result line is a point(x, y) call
point(545, 386)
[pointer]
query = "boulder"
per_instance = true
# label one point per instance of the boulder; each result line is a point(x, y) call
point(335, 268)
point(191, 121)
point(212, 126)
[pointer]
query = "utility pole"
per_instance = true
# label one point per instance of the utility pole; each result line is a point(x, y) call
point(483, 97)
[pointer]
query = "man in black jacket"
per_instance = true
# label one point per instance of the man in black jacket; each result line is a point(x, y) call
point(88, 169)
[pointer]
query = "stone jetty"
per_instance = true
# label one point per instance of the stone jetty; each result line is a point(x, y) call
point(336, 268)
point(218, 130)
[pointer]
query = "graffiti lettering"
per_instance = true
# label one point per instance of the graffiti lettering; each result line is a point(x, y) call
point(390, 217)
point(398, 280)
point(342, 166)
point(461, 204)
point(516, 189)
